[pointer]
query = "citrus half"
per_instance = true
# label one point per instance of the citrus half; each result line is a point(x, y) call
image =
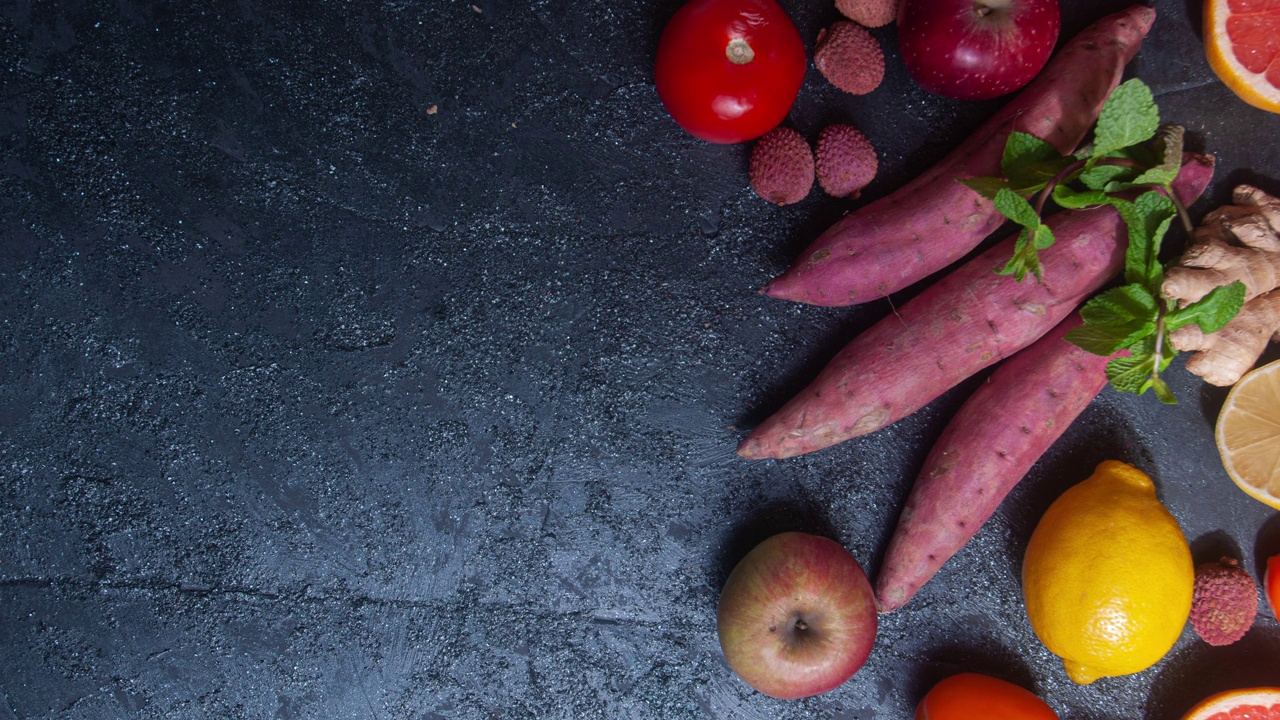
point(1248, 433)
point(1261, 703)
point(1242, 44)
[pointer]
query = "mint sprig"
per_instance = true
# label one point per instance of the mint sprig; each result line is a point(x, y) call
point(1130, 153)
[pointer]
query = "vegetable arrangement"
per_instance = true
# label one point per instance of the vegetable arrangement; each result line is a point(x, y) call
point(1117, 196)
point(989, 445)
point(1120, 193)
point(934, 221)
point(968, 320)
point(1135, 317)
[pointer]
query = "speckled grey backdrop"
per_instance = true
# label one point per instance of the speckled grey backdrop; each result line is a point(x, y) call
point(386, 360)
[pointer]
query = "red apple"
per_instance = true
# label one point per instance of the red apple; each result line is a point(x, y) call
point(797, 616)
point(976, 49)
point(1271, 585)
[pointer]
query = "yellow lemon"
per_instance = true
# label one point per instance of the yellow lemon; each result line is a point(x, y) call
point(1108, 576)
point(1248, 433)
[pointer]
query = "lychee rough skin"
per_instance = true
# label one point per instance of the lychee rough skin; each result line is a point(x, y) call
point(1225, 602)
point(781, 166)
point(869, 13)
point(850, 58)
point(846, 161)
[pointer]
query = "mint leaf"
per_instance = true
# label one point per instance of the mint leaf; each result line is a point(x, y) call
point(1016, 208)
point(987, 187)
point(1025, 258)
point(1169, 157)
point(1030, 163)
point(1115, 319)
point(1033, 236)
point(1140, 371)
point(1103, 177)
point(1211, 312)
point(1074, 200)
point(1128, 117)
point(1102, 340)
point(1151, 214)
point(1162, 390)
point(1122, 305)
point(1042, 238)
point(1130, 374)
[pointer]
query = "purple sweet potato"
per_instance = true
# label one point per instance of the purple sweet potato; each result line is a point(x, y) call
point(990, 444)
point(966, 321)
point(934, 220)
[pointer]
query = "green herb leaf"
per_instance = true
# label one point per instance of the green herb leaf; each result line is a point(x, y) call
point(1025, 259)
point(1104, 177)
point(1043, 239)
point(1121, 305)
point(1151, 214)
point(1016, 208)
point(1071, 199)
point(1140, 371)
point(1211, 312)
point(1102, 340)
point(1128, 117)
point(1034, 236)
point(1169, 153)
point(1029, 163)
point(1162, 390)
point(987, 187)
point(1130, 374)
point(1116, 319)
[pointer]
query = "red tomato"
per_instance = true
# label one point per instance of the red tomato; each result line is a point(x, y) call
point(729, 70)
point(970, 696)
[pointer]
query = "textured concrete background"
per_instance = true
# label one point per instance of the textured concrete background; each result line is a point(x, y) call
point(386, 360)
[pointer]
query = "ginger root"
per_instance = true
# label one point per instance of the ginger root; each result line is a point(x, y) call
point(1235, 242)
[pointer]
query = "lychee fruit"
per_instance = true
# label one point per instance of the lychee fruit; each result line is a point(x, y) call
point(850, 57)
point(846, 162)
point(869, 13)
point(1225, 602)
point(781, 166)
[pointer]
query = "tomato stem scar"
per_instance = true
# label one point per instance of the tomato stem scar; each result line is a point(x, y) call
point(739, 52)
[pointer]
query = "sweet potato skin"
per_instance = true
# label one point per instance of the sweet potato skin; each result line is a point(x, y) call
point(934, 220)
point(961, 324)
point(989, 445)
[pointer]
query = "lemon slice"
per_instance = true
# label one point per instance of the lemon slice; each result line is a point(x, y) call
point(1248, 434)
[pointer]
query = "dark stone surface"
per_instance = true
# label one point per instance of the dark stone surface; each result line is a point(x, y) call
point(386, 360)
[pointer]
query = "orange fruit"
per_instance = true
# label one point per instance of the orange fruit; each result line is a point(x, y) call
point(970, 696)
point(1242, 44)
point(1248, 433)
point(1261, 703)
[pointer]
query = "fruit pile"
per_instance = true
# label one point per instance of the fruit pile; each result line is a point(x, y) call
point(1108, 579)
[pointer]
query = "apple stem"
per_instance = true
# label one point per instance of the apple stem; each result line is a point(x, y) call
point(801, 625)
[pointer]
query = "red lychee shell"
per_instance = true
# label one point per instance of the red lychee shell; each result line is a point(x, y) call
point(850, 57)
point(781, 166)
point(846, 161)
point(869, 13)
point(1225, 602)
